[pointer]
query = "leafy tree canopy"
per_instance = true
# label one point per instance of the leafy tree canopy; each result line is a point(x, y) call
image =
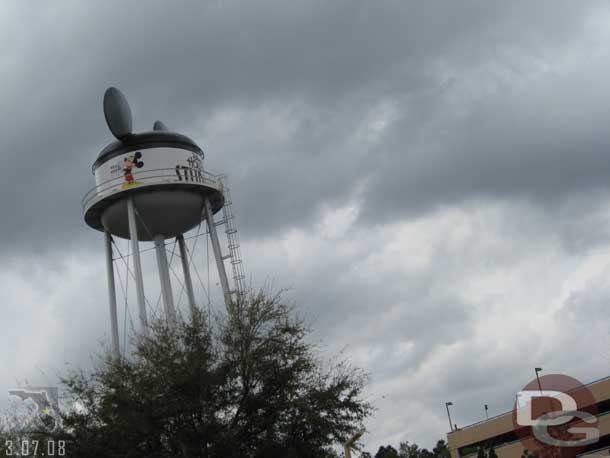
point(246, 384)
point(407, 450)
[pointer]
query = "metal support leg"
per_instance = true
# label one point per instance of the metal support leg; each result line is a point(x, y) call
point(188, 284)
point(220, 264)
point(137, 264)
point(114, 324)
point(166, 285)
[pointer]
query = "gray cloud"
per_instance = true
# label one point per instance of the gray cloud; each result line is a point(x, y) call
point(407, 168)
point(321, 69)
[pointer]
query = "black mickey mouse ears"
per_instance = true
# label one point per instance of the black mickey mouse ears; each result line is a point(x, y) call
point(117, 113)
point(158, 125)
point(119, 121)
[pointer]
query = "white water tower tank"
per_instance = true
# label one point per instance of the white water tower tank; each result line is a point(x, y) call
point(161, 170)
point(152, 186)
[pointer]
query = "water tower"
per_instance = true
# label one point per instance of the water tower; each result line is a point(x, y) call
point(151, 187)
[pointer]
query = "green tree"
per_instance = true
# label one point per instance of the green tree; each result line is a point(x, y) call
point(387, 451)
point(481, 453)
point(246, 384)
point(441, 450)
point(406, 450)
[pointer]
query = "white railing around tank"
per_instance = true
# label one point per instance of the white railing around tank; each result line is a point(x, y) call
point(142, 178)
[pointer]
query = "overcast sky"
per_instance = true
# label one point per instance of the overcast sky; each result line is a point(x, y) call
point(431, 179)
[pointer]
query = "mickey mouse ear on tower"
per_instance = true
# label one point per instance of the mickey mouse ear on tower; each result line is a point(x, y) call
point(159, 126)
point(117, 113)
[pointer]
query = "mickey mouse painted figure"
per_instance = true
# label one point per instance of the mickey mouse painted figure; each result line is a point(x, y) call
point(128, 164)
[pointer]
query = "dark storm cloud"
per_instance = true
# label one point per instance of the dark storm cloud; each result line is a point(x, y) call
point(479, 126)
point(322, 65)
point(540, 143)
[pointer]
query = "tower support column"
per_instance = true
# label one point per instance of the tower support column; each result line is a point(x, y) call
point(220, 264)
point(114, 324)
point(137, 264)
point(166, 284)
point(188, 284)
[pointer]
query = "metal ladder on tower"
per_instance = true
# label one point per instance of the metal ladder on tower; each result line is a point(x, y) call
point(239, 278)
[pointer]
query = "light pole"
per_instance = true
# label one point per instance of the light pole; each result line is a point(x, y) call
point(447, 404)
point(538, 369)
point(348, 445)
point(486, 414)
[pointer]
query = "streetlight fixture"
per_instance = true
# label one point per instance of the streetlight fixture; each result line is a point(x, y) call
point(486, 414)
point(538, 369)
point(447, 404)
